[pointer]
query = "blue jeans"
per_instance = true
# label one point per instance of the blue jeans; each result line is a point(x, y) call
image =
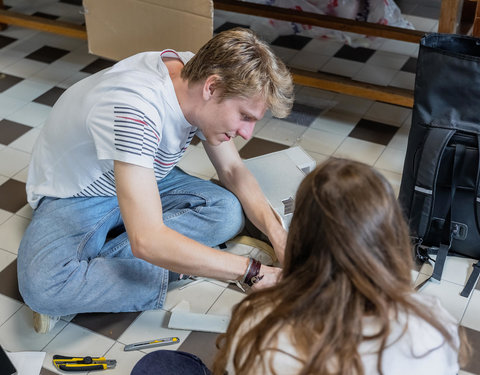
point(75, 255)
point(169, 362)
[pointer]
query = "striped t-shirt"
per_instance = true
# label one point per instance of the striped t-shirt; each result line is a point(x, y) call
point(128, 112)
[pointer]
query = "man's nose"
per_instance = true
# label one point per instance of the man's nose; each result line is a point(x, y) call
point(246, 130)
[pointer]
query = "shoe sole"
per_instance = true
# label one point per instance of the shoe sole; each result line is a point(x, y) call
point(253, 242)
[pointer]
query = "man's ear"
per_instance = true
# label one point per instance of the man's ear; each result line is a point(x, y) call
point(209, 86)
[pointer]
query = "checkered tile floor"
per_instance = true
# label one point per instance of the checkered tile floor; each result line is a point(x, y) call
point(36, 67)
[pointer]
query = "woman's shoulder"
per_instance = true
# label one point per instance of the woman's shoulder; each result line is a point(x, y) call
point(415, 346)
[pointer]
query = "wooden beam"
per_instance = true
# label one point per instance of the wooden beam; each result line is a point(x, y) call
point(315, 19)
point(43, 24)
point(348, 86)
point(449, 14)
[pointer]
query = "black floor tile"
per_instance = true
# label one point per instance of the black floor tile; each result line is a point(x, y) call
point(258, 146)
point(7, 81)
point(50, 97)
point(410, 65)
point(228, 26)
point(201, 344)
point(291, 41)
point(10, 131)
point(303, 114)
point(73, 2)
point(6, 40)
point(111, 325)
point(97, 65)
point(45, 15)
point(359, 54)
point(12, 195)
point(47, 54)
point(372, 131)
point(9, 282)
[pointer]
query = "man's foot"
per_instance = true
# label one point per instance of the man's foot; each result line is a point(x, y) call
point(252, 248)
point(44, 323)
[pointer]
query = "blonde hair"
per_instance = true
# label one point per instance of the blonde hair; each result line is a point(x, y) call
point(246, 67)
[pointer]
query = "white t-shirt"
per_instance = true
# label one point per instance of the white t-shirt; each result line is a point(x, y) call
point(420, 351)
point(128, 112)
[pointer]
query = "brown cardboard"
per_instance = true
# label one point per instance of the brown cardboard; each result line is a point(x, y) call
point(120, 28)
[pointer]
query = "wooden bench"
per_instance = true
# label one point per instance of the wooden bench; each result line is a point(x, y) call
point(448, 22)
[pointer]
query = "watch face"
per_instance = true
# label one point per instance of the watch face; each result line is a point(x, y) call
point(6, 366)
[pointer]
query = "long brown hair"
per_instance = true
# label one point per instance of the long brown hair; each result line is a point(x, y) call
point(348, 255)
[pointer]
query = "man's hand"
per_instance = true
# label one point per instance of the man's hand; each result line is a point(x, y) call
point(271, 275)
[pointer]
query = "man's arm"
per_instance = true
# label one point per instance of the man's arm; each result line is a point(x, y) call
point(235, 176)
point(153, 241)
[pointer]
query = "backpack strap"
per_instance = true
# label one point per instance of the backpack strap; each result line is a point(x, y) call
point(427, 172)
point(477, 186)
point(448, 232)
point(472, 280)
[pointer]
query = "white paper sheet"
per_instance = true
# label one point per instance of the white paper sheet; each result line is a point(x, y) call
point(27, 363)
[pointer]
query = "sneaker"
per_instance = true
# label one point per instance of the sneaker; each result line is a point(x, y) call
point(44, 323)
point(251, 248)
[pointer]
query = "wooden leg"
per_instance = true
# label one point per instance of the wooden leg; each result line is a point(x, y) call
point(3, 26)
point(449, 15)
point(476, 21)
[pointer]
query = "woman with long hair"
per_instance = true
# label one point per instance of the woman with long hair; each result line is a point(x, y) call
point(345, 304)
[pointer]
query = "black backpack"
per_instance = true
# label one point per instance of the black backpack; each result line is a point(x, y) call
point(440, 190)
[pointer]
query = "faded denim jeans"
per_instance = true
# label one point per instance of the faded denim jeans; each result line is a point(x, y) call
point(75, 255)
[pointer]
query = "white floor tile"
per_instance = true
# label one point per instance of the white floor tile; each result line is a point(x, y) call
point(449, 296)
point(6, 258)
point(471, 319)
point(150, 325)
point(4, 215)
point(125, 360)
point(283, 132)
point(404, 80)
point(11, 233)
point(336, 122)
point(17, 333)
point(307, 60)
point(285, 54)
point(28, 90)
point(400, 139)
point(78, 341)
point(376, 75)
point(24, 68)
point(225, 303)
point(319, 158)
point(324, 47)
point(195, 160)
point(9, 307)
point(391, 160)
point(26, 212)
point(320, 141)
point(393, 178)
point(201, 296)
point(22, 175)
point(65, 84)
point(9, 105)
point(397, 46)
point(315, 97)
point(55, 73)
point(352, 104)
point(12, 161)
point(388, 113)
point(343, 67)
point(387, 60)
point(356, 149)
point(421, 23)
point(27, 141)
point(33, 114)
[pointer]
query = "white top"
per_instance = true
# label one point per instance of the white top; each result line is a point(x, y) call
point(420, 351)
point(128, 112)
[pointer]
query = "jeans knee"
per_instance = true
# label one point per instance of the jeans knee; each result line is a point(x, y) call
point(232, 219)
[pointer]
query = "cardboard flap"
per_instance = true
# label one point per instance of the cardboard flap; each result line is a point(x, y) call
point(120, 28)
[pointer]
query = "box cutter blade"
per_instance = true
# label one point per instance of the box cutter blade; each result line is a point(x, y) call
point(82, 363)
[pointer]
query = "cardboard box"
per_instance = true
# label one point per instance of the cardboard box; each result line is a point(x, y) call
point(279, 174)
point(120, 28)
